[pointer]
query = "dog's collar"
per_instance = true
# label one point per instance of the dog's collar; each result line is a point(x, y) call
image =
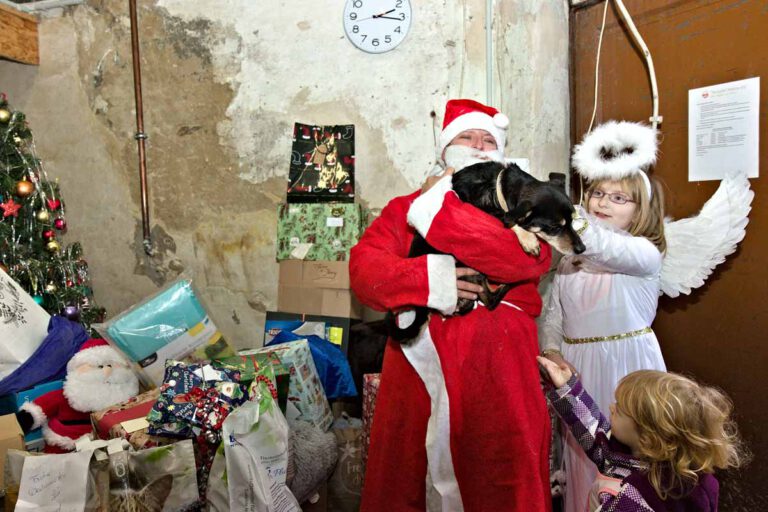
point(499, 194)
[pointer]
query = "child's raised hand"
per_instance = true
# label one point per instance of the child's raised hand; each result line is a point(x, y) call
point(559, 375)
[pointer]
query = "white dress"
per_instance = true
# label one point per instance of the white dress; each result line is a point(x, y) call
point(599, 313)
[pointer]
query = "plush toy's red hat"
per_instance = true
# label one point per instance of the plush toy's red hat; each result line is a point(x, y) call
point(95, 352)
point(461, 115)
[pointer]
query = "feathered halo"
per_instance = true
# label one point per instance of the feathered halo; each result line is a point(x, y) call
point(615, 150)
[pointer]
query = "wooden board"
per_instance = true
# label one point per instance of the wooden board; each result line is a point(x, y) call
point(18, 36)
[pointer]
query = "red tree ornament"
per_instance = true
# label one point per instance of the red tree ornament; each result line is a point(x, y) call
point(10, 207)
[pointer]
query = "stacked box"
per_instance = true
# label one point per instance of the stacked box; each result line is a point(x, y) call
point(316, 288)
point(305, 390)
point(319, 232)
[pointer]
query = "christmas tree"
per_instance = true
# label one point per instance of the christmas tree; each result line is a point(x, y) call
point(33, 219)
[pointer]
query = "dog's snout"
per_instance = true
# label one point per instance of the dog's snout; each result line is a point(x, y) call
point(578, 246)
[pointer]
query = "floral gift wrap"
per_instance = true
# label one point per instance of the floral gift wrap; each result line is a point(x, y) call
point(319, 232)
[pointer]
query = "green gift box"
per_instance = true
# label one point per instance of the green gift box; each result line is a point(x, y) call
point(319, 231)
point(265, 363)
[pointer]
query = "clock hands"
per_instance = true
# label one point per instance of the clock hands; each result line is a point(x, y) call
point(383, 14)
point(388, 18)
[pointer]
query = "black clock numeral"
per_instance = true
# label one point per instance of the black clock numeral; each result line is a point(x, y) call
point(355, 29)
point(375, 42)
point(399, 4)
point(353, 15)
point(397, 30)
point(387, 39)
point(364, 36)
point(357, 4)
point(402, 15)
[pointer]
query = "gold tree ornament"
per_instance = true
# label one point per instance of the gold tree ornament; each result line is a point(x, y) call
point(5, 115)
point(25, 188)
point(43, 216)
point(53, 246)
point(50, 288)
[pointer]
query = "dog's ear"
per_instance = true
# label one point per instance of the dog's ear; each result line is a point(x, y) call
point(557, 179)
point(519, 213)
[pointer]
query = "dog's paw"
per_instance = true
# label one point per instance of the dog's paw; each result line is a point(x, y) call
point(528, 241)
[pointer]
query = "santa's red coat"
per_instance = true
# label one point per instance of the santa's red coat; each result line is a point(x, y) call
point(466, 395)
point(64, 424)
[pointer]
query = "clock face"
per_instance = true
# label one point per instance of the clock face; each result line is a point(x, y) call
point(377, 26)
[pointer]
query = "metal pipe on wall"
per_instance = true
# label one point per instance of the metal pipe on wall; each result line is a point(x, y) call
point(489, 52)
point(140, 136)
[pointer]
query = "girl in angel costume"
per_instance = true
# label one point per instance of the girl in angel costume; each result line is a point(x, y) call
point(602, 302)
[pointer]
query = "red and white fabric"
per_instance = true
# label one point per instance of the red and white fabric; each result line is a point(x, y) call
point(460, 420)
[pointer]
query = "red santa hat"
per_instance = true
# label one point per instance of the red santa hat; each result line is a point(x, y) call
point(94, 352)
point(461, 115)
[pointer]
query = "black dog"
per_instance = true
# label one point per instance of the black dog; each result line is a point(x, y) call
point(531, 208)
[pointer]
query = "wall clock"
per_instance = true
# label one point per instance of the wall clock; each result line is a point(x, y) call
point(377, 26)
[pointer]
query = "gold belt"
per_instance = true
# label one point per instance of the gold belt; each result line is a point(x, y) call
point(613, 337)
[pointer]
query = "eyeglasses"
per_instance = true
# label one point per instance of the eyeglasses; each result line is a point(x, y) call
point(615, 198)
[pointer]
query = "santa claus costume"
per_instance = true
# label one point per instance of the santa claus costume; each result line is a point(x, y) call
point(97, 377)
point(460, 421)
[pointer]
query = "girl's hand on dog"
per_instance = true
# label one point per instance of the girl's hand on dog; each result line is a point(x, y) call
point(558, 374)
point(431, 180)
point(466, 289)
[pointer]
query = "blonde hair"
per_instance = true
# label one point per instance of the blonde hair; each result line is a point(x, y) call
point(684, 428)
point(648, 221)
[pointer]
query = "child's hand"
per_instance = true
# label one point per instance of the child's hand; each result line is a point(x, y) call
point(559, 375)
point(432, 180)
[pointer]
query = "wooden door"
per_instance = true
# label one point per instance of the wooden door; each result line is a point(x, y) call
point(719, 334)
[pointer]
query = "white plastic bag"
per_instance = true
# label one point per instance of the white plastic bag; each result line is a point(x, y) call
point(255, 439)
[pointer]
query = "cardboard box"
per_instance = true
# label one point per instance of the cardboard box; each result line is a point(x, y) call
point(317, 288)
point(11, 402)
point(334, 329)
point(319, 232)
point(11, 438)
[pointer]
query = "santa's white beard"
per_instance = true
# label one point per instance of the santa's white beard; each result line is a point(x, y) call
point(91, 391)
point(459, 157)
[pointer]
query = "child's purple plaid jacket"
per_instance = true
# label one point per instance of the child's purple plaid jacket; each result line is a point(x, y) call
point(613, 459)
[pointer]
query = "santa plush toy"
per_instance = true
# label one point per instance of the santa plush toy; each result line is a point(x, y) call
point(97, 377)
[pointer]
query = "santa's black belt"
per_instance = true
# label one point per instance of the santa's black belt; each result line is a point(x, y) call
point(75, 422)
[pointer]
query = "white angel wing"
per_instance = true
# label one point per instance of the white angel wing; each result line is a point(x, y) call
point(696, 245)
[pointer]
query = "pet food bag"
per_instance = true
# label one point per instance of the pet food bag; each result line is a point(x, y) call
point(23, 325)
point(172, 324)
point(346, 483)
point(255, 458)
point(322, 164)
point(305, 391)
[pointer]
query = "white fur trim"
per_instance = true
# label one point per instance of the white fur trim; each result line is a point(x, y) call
point(38, 415)
point(423, 356)
point(473, 121)
point(425, 207)
point(406, 318)
point(102, 354)
point(55, 439)
point(441, 272)
point(615, 137)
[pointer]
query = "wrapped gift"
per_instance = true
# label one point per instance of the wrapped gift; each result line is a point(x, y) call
point(23, 325)
point(172, 324)
point(318, 232)
point(370, 390)
point(195, 398)
point(129, 421)
point(266, 363)
point(322, 164)
point(305, 392)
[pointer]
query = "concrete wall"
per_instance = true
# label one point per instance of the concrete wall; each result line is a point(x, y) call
point(223, 83)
